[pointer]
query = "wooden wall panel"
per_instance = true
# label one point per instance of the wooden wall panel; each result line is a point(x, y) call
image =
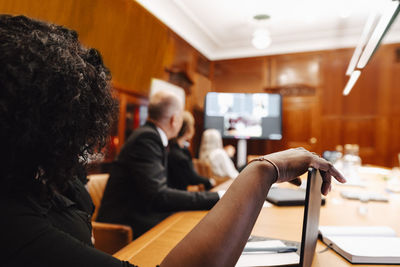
point(333, 68)
point(195, 104)
point(298, 123)
point(393, 104)
point(331, 133)
point(295, 69)
point(364, 98)
point(394, 144)
point(202, 85)
point(132, 41)
point(361, 131)
point(368, 116)
point(300, 107)
point(245, 75)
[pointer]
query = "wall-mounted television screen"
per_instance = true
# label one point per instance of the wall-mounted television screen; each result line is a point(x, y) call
point(244, 116)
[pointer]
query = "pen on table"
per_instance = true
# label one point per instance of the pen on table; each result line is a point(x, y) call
point(271, 249)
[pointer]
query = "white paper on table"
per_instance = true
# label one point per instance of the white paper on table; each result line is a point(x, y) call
point(368, 246)
point(356, 231)
point(265, 244)
point(267, 258)
point(267, 204)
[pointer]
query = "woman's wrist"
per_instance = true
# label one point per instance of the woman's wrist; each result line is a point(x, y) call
point(272, 167)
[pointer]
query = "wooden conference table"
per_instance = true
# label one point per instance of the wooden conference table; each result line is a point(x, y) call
point(277, 222)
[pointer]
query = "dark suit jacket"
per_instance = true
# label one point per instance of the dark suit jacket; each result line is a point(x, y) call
point(181, 172)
point(137, 192)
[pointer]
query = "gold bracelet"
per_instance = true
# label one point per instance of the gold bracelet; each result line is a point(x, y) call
point(263, 158)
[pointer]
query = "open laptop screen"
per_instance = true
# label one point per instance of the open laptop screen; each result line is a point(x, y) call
point(311, 217)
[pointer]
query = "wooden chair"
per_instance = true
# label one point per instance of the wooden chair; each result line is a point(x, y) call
point(108, 237)
point(204, 169)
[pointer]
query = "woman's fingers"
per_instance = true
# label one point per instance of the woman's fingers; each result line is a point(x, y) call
point(326, 182)
point(338, 176)
point(324, 165)
point(296, 181)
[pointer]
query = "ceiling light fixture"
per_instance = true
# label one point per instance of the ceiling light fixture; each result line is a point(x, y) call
point(371, 38)
point(363, 40)
point(261, 37)
point(383, 26)
point(351, 82)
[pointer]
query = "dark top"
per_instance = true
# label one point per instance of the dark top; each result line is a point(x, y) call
point(55, 232)
point(181, 172)
point(137, 193)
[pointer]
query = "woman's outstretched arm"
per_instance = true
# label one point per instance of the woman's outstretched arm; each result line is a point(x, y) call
point(219, 238)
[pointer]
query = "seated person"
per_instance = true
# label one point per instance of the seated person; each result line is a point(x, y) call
point(181, 172)
point(55, 110)
point(212, 152)
point(137, 192)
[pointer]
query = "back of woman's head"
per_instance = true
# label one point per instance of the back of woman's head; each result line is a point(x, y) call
point(187, 123)
point(55, 102)
point(210, 140)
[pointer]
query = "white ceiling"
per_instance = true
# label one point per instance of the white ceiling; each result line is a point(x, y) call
point(222, 29)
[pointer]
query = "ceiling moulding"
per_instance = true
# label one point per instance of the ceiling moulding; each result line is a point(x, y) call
point(180, 19)
point(173, 17)
point(293, 47)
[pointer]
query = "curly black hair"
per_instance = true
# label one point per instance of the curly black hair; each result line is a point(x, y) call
point(56, 104)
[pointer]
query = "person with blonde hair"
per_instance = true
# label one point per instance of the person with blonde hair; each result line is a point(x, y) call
point(212, 152)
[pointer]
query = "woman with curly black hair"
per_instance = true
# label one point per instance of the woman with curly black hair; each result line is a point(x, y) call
point(55, 110)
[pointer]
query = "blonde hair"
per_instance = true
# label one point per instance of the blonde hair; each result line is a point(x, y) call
point(210, 141)
point(212, 151)
point(187, 122)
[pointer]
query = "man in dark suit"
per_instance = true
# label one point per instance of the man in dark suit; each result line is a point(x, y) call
point(137, 192)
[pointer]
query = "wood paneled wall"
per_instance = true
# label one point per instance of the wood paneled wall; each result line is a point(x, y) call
point(369, 116)
point(132, 41)
point(136, 47)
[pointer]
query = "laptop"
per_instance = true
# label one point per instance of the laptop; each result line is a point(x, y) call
point(311, 218)
point(280, 196)
point(310, 224)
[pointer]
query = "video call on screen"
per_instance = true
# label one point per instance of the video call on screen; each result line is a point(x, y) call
point(238, 115)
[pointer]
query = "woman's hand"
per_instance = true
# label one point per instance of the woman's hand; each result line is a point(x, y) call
point(294, 162)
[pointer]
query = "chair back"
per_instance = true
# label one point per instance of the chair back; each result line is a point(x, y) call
point(202, 168)
point(96, 186)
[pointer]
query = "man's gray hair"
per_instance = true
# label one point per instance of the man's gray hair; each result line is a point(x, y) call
point(163, 105)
